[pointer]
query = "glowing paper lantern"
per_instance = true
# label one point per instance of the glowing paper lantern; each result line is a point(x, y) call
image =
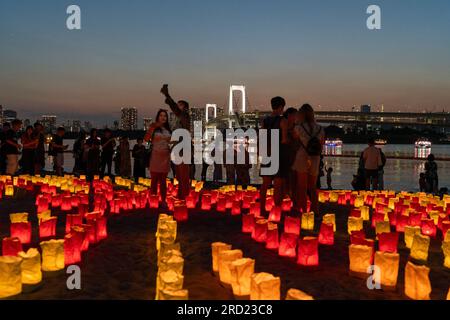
point(410, 232)
point(236, 208)
point(326, 234)
point(420, 246)
point(206, 202)
point(11, 246)
point(402, 223)
point(272, 236)
point(255, 209)
point(226, 257)
point(288, 245)
point(294, 294)
point(354, 224)
point(31, 266)
point(248, 223)
point(417, 282)
point(82, 231)
point(265, 286)
point(388, 263)
point(275, 214)
point(73, 220)
point(18, 217)
point(377, 217)
point(308, 251)
point(72, 248)
point(21, 230)
point(153, 201)
point(382, 227)
point(180, 212)
point(52, 255)
point(241, 272)
point(446, 251)
point(415, 219)
point(292, 225)
point(221, 205)
point(170, 280)
point(173, 260)
point(360, 260)
point(66, 204)
point(260, 231)
point(47, 228)
point(429, 228)
point(10, 276)
point(330, 218)
point(173, 295)
point(216, 248)
point(388, 242)
point(308, 221)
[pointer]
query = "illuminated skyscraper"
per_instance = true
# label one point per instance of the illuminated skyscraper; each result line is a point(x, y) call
point(129, 119)
point(147, 123)
point(49, 122)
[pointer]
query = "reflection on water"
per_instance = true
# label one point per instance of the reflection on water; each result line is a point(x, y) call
point(332, 150)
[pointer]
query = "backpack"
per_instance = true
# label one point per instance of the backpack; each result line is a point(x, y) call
point(314, 146)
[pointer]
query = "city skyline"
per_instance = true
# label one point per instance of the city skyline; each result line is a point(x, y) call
point(317, 53)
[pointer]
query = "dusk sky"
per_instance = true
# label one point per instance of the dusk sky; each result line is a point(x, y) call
point(307, 51)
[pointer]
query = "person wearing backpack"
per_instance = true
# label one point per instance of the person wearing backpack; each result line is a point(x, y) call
point(311, 137)
point(273, 122)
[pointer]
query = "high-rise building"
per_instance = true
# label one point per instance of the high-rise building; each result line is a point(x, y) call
point(49, 122)
point(9, 115)
point(147, 123)
point(76, 126)
point(365, 108)
point(197, 114)
point(129, 119)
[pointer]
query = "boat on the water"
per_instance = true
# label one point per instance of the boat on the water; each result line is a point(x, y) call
point(333, 143)
point(423, 143)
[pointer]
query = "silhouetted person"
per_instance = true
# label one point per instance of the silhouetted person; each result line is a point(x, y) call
point(108, 145)
point(93, 158)
point(78, 151)
point(3, 147)
point(431, 175)
point(39, 158)
point(372, 163)
point(12, 147)
point(57, 151)
point(139, 157)
point(29, 144)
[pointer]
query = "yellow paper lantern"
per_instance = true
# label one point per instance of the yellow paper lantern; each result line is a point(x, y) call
point(359, 201)
point(382, 227)
point(9, 190)
point(446, 250)
point(355, 224)
point(18, 217)
point(241, 271)
point(44, 215)
point(226, 257)
point(173, 261)
point(447, 236)
point(365, 213)
point(216, 248)
point(31, 266)
point(420, 246)
point(448, 294)
point(294, 294)
point(334, 197)
point(170, 280)
point(410, 232)
point(174, 295)
point(52, 255)
point(264, 286)
point(389, 265)
point(166, 250)
point(330, 218)
point(308, 221)
point(360, 259)
point(10, 276)
point(417, 282)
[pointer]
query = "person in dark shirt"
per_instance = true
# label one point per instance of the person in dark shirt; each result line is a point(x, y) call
point(108, 145)
point(78, 151)
point(39, 157)
point(57, 151)
point(139, 159)
point(29, 143)
point(5, 128)
point(12, 148)
point(93, 161)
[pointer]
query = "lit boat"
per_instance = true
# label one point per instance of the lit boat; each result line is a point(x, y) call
point(423, 143)
point(380, 142)
point(333, 143)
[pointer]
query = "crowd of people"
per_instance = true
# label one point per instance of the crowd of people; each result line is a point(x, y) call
point(300, 158)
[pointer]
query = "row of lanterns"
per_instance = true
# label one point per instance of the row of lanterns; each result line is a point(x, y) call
point(238, 272)
point(170, 262)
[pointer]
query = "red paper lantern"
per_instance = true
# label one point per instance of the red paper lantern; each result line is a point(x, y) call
point(66, 204)
point(206, 202)
point(47, 228)
point(153, 201)
point(247, 201)
point(191, 202)
point(11, 246)
point(43, 204)
point(429, 228)
point(272, 242)
point(72, 248)
point(415, 219)
point(286, 205)
point(377, 217)
point(308, 252)
point(82, 231)
point(392, 218)
point(342, 199)
point(21, 230)
point(358, 237)
point(292, 225)
point(248, 223)
point(388, 242)
point(236, 208)
point(445, 227)
point(221, 204)
point(402, 222)
point(275, 214)
point(230, 200)
point(255, 209)
point(269, 203)
point(75, 201)
point(180, 212)
point(354, 212)
point(260, 231)
point(326, 234)
point(288, 245)
point(72, 220)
